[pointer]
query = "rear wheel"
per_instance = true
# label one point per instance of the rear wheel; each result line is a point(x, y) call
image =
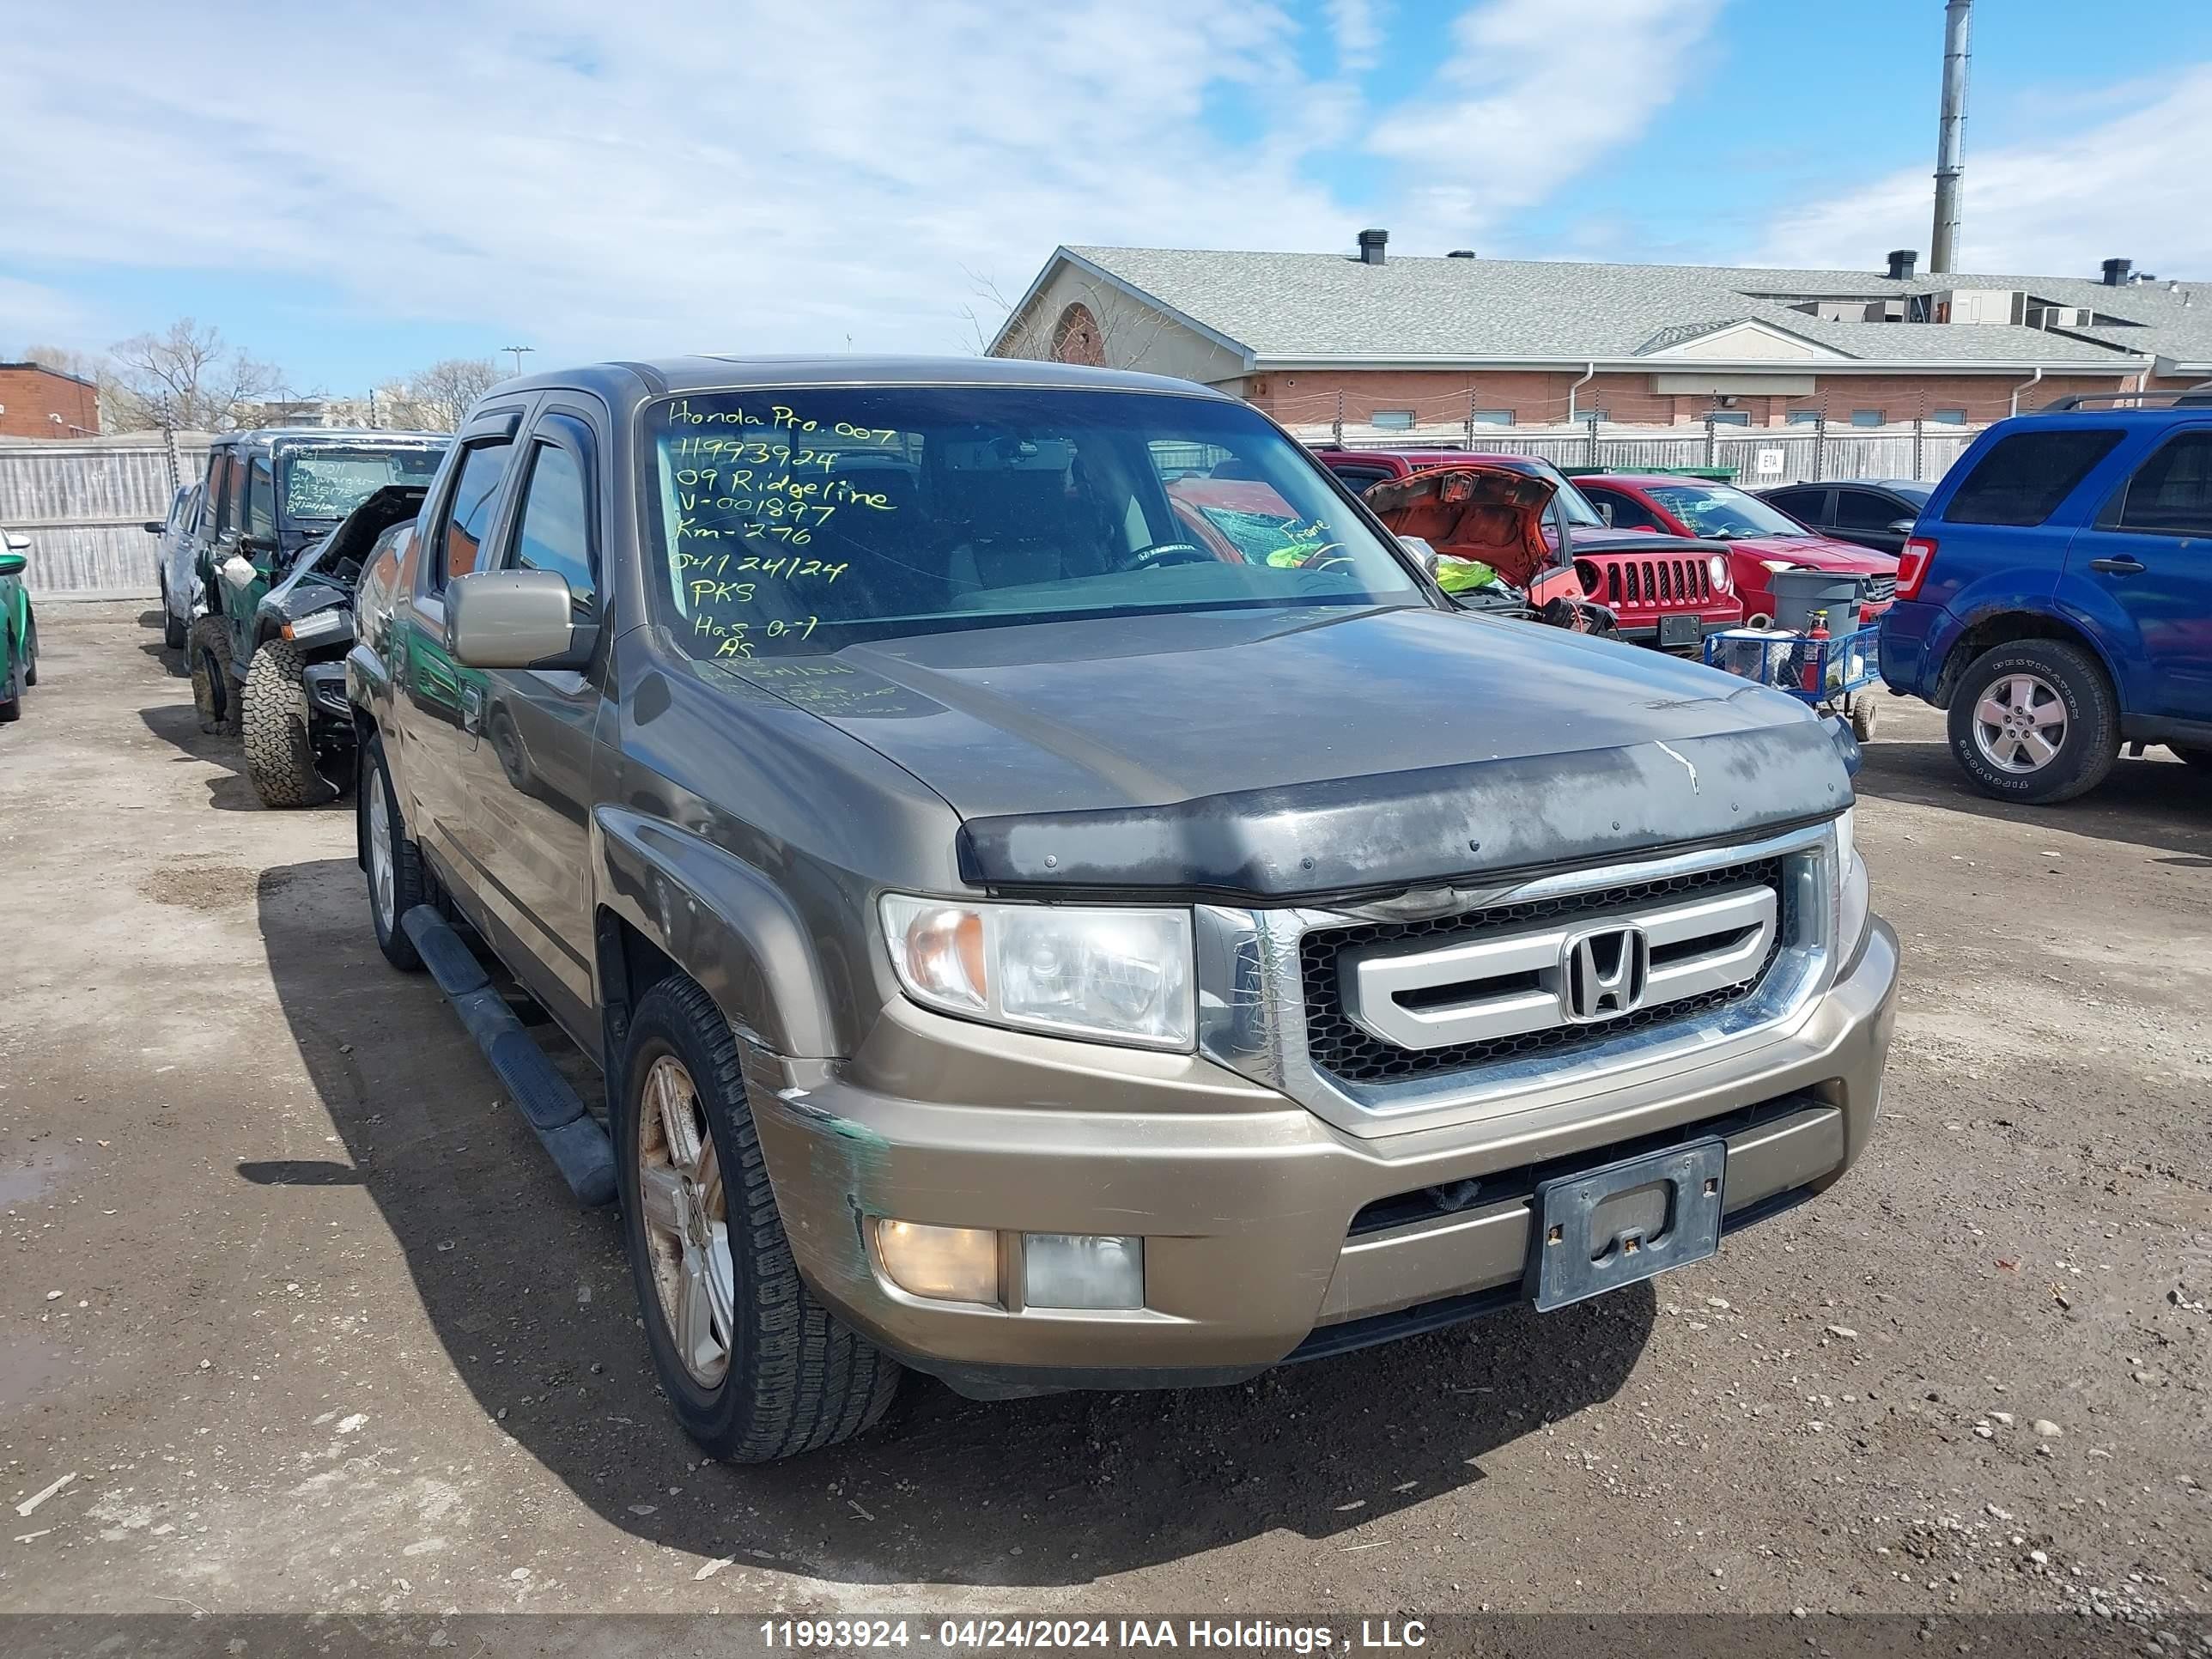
point(11, 690)
point(2034, 721)
point(394, 866)
point(754, 1366)
point(213, 693)
point(277, 726)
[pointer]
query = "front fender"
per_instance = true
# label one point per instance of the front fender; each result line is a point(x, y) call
point(723, 922)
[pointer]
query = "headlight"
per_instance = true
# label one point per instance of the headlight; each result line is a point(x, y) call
point(1718, 568)
point(1123, 975)
point(318, 623)
point(1852, 905)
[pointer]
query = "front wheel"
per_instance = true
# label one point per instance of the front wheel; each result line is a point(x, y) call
point(2035, 721)
point(754, 1366)
point(393, 864)
point(213, 694)
point(173, 625)
point(278, 726)
point(11, 690)
point(1864, 717)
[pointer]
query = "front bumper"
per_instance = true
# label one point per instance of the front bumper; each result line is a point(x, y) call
point(1268, 1232)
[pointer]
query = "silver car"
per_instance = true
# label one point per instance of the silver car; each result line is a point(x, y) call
point(181, 600)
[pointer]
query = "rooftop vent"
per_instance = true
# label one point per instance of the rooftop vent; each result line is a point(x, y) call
point(1460, 253)
point(1370, 246)
point(1901, 261)
point(2116, 272)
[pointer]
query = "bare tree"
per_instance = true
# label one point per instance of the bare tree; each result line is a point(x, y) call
point(189, 378)
point(437, 399)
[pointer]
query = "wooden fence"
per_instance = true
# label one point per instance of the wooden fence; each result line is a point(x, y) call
point(84, 506)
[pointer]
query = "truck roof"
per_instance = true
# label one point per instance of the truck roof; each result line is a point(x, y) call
point(330, 434)
point(709, 371)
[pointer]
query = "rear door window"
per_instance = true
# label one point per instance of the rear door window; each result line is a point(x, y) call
point(1862, 509)
point(1806, 505)
point(2024, 475)
point(2170, 494)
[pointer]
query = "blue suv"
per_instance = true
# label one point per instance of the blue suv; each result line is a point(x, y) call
point(2055, 595)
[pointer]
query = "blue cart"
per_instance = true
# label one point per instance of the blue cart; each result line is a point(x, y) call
point(1834, 676)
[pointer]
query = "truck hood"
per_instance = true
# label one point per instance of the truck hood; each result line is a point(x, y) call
point(1818, 553)
point(1273, 753)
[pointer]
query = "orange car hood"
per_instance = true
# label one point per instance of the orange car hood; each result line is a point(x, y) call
point(1494, 513)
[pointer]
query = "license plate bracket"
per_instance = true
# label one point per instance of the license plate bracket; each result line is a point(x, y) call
point(1680, 630)
point(1629, 1221)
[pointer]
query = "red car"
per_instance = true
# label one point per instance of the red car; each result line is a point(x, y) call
point(1760, 537)
point(1664, 595)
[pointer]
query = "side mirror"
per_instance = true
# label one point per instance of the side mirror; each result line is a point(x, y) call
point(1902, 527)
point(153, 526)
point(515, 619)
point(1604, 510)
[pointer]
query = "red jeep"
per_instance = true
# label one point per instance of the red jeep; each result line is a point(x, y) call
point(1760, 537)
point(1664, 594)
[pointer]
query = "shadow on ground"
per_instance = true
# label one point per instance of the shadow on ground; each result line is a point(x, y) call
point(532, 1301)
point(174, 663)
point(2155, 802)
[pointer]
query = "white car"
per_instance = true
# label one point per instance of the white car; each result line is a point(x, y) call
point(181, 600)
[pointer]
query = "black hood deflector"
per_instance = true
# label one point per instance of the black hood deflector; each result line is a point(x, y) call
point(1478, 820)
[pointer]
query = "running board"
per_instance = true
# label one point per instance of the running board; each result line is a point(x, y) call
point(555, 1111)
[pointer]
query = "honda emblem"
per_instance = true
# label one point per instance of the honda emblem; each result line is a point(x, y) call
point(1603, 973)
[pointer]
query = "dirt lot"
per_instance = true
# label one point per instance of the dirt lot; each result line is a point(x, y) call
point(291, 1291)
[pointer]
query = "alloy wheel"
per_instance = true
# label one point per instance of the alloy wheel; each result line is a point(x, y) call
point(381, 881)
point(2020, 723)
point(686, 1213)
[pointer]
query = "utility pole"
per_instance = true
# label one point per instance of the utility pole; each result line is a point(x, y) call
point(518, 351)
point(1951, 133)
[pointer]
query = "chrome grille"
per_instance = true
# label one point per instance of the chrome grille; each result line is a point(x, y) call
point(1452, 1012)
point(1879, 590)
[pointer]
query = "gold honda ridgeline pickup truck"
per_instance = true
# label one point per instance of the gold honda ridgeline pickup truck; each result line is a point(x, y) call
point(1050, 920)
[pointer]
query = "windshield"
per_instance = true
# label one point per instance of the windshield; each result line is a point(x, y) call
point(1723, 510)
point(799, 521)
point(1572, 504)
point(330, 483)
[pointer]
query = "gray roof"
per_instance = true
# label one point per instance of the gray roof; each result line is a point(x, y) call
point(1305, 307)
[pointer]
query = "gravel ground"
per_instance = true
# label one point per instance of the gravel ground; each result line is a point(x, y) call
point(291, 1295)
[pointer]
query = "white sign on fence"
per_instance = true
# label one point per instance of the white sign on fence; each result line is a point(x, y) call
point(1770, 462)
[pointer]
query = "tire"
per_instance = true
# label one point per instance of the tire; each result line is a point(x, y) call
point(406, 889)
point(2200, 758)
point(1865, 716)
point(793, 1377)
point(173, 625)
point(215, 694)
point(11, 690)
point(2066, 694)
point(277, 724)
point(31, 653)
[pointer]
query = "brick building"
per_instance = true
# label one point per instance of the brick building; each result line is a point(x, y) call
point(37, 402)
point(1433, 347)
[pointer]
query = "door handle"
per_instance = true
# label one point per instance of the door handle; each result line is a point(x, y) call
point(2120, 567)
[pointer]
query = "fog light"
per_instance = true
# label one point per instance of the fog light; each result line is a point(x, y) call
point(1083, 1270)
point(946, 1264)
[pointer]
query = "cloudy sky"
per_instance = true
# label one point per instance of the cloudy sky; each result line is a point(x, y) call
point(356, 188)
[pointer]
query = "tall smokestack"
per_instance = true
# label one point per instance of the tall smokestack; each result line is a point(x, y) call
point(1951, 132)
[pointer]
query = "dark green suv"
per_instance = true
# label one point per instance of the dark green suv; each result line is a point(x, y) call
point(269, 495)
